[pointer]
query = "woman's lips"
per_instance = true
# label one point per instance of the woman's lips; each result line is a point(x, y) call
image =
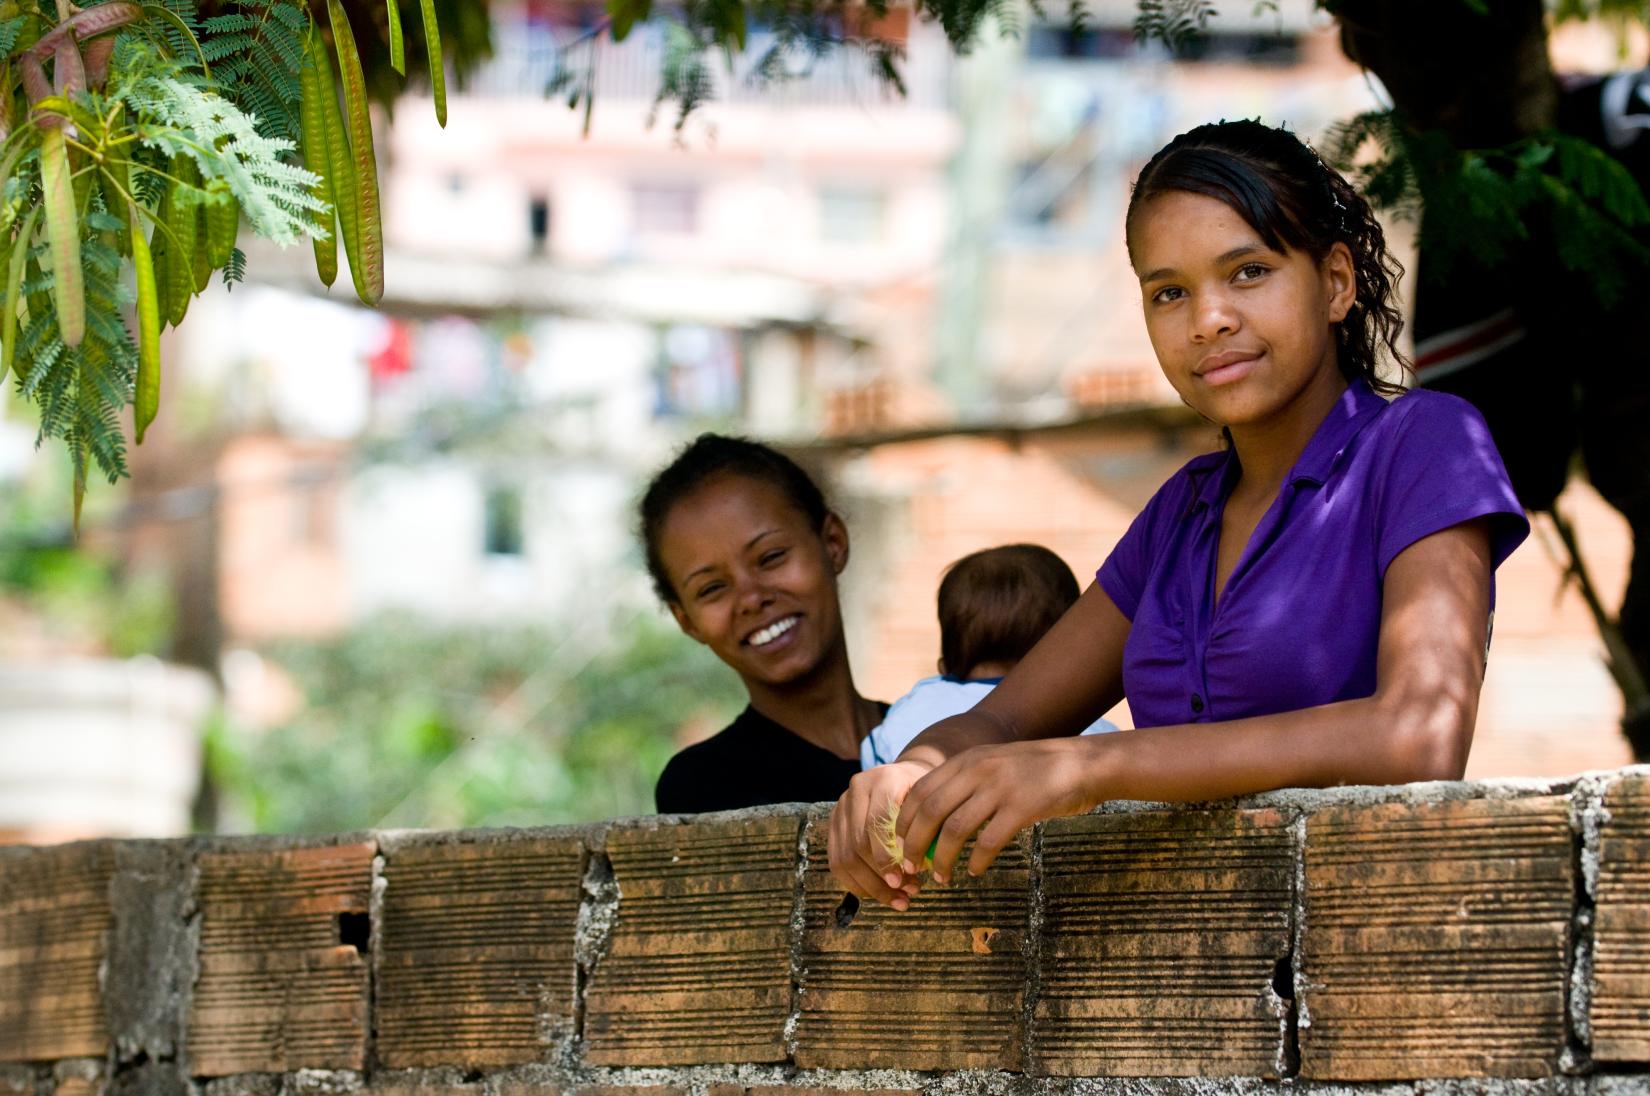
point(1228, 372)
point(775, 634)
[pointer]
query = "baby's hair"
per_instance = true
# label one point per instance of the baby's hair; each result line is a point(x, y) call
point(1295, 201)
point(710, 456)
point(996, 604)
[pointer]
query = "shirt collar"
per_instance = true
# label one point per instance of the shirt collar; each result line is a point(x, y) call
point(1216, 473)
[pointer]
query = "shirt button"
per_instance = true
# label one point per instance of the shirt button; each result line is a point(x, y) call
point(1197, 703)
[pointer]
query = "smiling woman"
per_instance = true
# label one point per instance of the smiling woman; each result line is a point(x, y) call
point(1309, 606)
point(745, 552)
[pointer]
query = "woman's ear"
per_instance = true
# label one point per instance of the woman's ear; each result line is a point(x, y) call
point(835, 535)
point(684, 622)
point(1341, 279)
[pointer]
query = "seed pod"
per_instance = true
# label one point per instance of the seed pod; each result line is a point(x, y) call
point(366, 262)
point(14, 287)
point(432, 49)
point(63, 230)
point(146, 396)
point(178, 212)
point(222, 222)
point(398, 48)
point(315, 120)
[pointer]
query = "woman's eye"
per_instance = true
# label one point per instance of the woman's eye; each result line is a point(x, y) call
point(1168, 293)
point(1248, 272)
point(773, 557)
point(710, 590)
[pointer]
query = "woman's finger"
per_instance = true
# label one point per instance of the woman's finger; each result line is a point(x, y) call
point(960, 825)
point(928, 815)
point(993, 838)
point(849, 824)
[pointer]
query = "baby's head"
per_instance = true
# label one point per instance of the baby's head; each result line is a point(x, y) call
point(996, 604)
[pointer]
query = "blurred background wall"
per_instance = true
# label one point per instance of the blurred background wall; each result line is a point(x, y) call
point(393, 550)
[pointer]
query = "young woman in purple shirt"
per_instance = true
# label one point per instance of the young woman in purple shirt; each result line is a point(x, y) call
point(1309, 606)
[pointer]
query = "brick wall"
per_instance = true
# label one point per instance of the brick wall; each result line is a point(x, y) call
point(1459, 938)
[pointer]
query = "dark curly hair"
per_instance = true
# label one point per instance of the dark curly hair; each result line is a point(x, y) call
point(709, 456)
point(1296, 202)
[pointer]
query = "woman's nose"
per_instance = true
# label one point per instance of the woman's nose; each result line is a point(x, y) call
point(753, 593)
point(1213, 317)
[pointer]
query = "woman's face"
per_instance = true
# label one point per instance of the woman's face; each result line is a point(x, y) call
point(754, 581)
point(1240, 330)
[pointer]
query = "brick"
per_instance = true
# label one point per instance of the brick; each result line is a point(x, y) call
point(55, 918)
point(281, 986)
point(798, 1090)
point(698, 964)
point(941, 986)
point(1620, 1013)
point(1436, 939)
point(79, 1086)
point(1162, 932)
point(476, 960)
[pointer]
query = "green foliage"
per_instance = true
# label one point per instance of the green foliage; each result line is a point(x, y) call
point(256, 51)
point(1486, 203)
point(412, 723)
point(1173, 22)
point(276, 196)
point(81, 389)
point(76, 596)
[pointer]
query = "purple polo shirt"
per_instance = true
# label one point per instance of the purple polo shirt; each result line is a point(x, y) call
point(1300, 618)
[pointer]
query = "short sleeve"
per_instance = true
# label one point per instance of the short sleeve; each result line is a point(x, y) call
point(1444, 469)
point(1125, 572)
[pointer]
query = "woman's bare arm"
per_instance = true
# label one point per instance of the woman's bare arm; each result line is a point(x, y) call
point(1071, 677)
point(1417, 726)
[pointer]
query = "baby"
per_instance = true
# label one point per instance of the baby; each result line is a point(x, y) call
point(994, 607)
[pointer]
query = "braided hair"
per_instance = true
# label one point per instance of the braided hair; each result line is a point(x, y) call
point(1294, 201)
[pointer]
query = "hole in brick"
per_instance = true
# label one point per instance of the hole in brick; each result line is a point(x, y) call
point(472, 1076)
point(847, 911)
point(355, 929)
point(1283, 977)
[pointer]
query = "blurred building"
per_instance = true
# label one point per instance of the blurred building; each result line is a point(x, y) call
point(928, 297)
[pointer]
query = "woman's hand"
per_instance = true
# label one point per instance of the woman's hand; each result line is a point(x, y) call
point(991, 793)
point(857, 857)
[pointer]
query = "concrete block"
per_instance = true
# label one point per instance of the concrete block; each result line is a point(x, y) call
point(283, 969)
point(941, 986)
point(697, 967)
point(475, 963)
point(1161, 937)
point(55, 918)
point(151, 966)
point(1436, 939)
point(1620, 1012)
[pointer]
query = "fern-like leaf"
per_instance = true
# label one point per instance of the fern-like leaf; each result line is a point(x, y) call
point(256, 52)
point(277, 197)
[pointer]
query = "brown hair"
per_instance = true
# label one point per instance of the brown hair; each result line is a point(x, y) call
point(996, 604)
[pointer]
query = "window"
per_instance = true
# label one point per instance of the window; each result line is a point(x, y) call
point(851, 215)
point(501, 519)
point(538, 223)
point(665, 209)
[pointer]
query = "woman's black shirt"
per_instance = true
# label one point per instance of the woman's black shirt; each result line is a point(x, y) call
point(751, 762)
